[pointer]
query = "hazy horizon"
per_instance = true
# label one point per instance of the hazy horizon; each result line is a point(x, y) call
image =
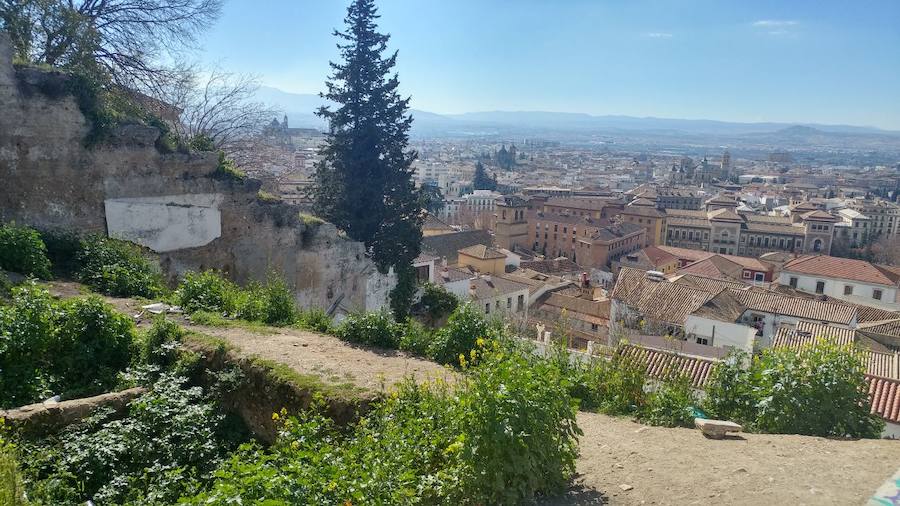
point(826, 63)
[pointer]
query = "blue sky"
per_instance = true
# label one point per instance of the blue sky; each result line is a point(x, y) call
point(791, 60)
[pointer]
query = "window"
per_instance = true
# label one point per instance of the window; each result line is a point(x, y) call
point(702, 340)
point(509, 303)
point(746, 274)
point(487, 308)
point(521, 303)
point(876, 294)
point(594, 326)
point(848, 289)
point(820, 287)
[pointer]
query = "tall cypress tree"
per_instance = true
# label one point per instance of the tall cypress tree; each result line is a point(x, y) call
point(364, 180)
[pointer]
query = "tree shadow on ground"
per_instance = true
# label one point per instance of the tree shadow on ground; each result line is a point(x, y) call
point(576, 495)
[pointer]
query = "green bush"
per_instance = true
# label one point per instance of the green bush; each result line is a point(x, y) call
point(117, 268)
point(207, 291)
point(415, 338)
point(91, 344)
point(729, 390)
point(228, 170)
point(271, 303)
point(6, 286)
point(166, 447)
point(818, 391)
point(614, 387)
point(315, 319)
point(26, 334)
point(372, 328)
point(63, 247)
point(520, 435)
point(466, 325)
point(622, 387)
point(672, 404)
point(74, 348)
point(12, 493)
point(202, 142)
point(23, 251)
point(437, 302)
point(503, 435)
point(159, 345)
point(278, 301)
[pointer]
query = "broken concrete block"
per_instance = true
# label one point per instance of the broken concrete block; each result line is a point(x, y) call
point(716, 429)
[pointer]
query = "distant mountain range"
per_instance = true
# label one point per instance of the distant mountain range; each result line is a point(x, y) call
point(299, 108)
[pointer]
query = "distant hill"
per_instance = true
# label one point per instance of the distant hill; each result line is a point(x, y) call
point(300, 108)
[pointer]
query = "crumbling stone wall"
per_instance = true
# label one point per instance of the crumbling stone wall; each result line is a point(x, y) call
point(49, 416)
point(51, 180)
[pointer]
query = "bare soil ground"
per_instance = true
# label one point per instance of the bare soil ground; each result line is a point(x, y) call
point(329, 358)
point(680, 466)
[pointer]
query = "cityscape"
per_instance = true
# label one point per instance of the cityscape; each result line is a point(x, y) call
point(218, 286)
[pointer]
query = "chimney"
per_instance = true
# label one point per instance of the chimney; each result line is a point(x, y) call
point(472, 289)
point(445, 273)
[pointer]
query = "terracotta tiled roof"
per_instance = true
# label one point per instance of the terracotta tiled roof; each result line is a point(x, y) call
point(884, 394)
point(808, 309)
point(784, 228)
point(695, 255)
point(642, 210)
point(723, 307)
point(724, 215)
point(659, 300)
point(661, 363)
point(658, 256)
point(447, 245)
point(715, 266)
point(592, 204)
point(577, 304)
point(641, 202)
point(808, 333)
point(818, 216)
point(884, 327)
point(453, 274)
point(722, 200)
point(616, 231)
point(482, 252)
point(711, 285)
point(554, 266)
point(886, 365)
point(842, 268)
point(496, 286)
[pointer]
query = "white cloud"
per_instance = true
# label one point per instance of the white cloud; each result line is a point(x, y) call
point(658, 35)
point(774, 23)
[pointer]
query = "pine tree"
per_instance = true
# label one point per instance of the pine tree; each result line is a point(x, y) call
point(364, 180)
point(481, 180)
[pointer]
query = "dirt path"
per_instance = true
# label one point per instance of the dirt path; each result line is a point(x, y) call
point(334, 361)
point(680, 466)
point(328, 357)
